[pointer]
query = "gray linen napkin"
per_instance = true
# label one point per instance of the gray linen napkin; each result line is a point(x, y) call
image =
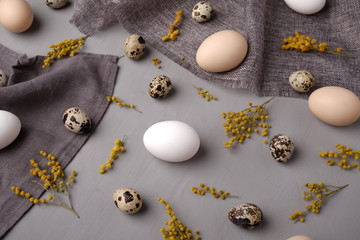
point(264, 23)
point(39, 98)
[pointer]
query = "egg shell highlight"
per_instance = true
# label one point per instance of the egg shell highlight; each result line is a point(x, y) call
point(16, 15)
point(335, 105)
point(172, 141)
point(299, 237)
point(222, 51)
point(306, 6)
point(10, 127)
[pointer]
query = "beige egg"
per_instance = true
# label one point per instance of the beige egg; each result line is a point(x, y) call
point(335, 105)
point(15, 15)
point(299, 237)
point(222, 51)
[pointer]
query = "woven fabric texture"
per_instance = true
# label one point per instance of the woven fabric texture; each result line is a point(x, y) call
point(264, 23)
point(39, 98)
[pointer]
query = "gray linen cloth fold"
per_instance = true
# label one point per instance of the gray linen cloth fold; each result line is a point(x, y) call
point(264, 23)
point(39, 98)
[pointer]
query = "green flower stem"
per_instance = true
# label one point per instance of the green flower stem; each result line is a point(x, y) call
point(340, 54)
point(66, 207)
point(325, 196)
point(335, 191)
point(209, 191)
point(71, 209)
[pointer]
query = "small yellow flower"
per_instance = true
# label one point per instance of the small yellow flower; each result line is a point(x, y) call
point(173, 32)
point(344, 156)
point(113, 155)
point(205, 189)
point(240, 125)
point(174, 228)
point(64, 48)
point(319, 191)
point(304, 43)
point(205, 94)
point(120, 103)
point(156, 62)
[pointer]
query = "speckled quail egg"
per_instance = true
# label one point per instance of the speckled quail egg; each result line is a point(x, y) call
point(3, 79)
point(160, 86)
point(302, 81)
point(202, 11)
point(281, 148)
point(246, 215)
point(77, 120)
point(134, 46)
point(127, 200)
point(56, 3)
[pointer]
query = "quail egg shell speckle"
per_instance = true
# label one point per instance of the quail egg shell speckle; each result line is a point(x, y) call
point(246, 215)
point(160, 87)
point(77, 120)
point(281, 148)
point(3, 79)
point(302, 81)
point(134, 46)
point(127, 200)
point(202, 11)
point(56, 3)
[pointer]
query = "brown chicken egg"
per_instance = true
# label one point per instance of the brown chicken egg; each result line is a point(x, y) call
point(16, 15)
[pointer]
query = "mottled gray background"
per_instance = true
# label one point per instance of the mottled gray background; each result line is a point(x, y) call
point(247, 170)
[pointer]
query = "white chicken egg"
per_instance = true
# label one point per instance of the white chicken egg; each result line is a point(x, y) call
point(10, 127)
point(172, 141)
point(306, 6)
